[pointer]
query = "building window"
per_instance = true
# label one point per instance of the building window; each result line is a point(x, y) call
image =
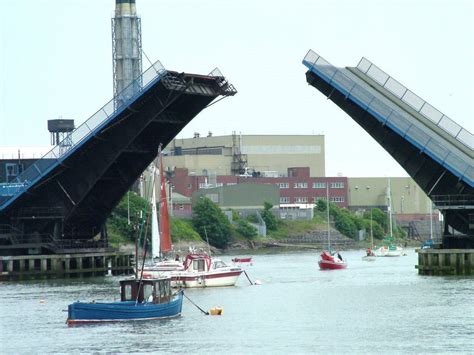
point(301, 185)
point(337, 199)
point(283, 185)
point(181, 207)
point(190, 186)
point(284, 200)
point(337, 185)
point(319, 185)
point(301, 200)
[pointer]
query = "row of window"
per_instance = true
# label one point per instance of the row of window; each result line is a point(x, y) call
point(203, 185)
point(283, 185)
point(315, 199)
point(316, 185)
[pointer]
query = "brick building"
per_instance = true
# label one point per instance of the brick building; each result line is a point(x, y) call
point(296, 188)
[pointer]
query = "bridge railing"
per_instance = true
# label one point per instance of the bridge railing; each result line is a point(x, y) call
point(416, 102)
point(453, 200)
point(87, 129)
point(426, 140)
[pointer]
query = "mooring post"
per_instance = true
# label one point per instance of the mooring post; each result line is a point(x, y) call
point(44, 264)
point(10, 266)
point(22, 264)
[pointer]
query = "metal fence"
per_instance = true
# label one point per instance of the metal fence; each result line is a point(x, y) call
point(389, 114)
point(87, 129)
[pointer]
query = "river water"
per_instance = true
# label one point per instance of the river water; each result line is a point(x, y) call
point(371, 307)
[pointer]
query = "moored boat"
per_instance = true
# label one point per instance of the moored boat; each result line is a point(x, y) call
point(242, 260)
point(331, 262)
point(370, 255)
point(389, 251)
point(328, 260)
point(160, 228)
point(200, 270)
point(139, 300)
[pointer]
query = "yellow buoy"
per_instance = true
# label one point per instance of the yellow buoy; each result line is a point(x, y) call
point(216, 311)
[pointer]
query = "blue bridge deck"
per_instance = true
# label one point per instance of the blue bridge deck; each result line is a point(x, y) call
point(9, 192)
point(419, 123)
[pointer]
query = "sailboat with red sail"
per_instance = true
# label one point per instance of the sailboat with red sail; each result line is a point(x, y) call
point(160, 228)
point(198, 269)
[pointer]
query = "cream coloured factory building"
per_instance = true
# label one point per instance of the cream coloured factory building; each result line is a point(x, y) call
point(271, 155)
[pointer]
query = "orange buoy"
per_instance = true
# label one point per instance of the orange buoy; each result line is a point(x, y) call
point(216, 311)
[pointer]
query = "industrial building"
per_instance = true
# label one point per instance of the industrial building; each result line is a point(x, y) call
point(297, 187)
point(238, 154)
point(407, 198)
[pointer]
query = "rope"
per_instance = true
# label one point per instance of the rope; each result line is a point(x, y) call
point(248, 278)
point(203, 311)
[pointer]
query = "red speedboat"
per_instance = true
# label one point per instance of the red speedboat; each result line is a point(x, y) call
point(242, 260)
point(331, 262)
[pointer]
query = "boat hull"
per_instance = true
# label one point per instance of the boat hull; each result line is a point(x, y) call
point(81, 313)
point(390, 251)
point(242, 260)
point(329, 262)
point(205, 279)
point(331, 265)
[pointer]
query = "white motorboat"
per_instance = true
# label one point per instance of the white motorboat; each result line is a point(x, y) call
point(200, 270)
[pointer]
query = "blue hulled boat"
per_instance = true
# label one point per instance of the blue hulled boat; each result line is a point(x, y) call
point(140, 300)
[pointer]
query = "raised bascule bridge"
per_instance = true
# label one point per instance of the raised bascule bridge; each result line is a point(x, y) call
point(434, 150)
point(60, 204)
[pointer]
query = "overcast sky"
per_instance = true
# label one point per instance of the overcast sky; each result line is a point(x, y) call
point(56, 62)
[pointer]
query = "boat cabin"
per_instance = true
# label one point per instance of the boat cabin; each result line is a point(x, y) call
point(149, 290)
point(197, 262)
point(202, 263)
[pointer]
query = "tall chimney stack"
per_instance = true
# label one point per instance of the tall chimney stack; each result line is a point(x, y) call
point(126, 50)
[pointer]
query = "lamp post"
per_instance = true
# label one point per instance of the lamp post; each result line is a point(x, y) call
point(431, 219)
point(371, 230)
point(128, 207)
point(327, 208)
point(389, 207)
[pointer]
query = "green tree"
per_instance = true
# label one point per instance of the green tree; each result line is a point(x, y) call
point(182, 229)
point(269, 217)
point(246, 229)
point(378, 216)
point(208, 219)
point(344, 221)
point(117, 223)
point(321, 205)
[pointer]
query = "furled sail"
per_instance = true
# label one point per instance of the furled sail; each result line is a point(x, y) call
point(165, 240)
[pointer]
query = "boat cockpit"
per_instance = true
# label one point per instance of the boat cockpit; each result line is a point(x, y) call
point(149, 290)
